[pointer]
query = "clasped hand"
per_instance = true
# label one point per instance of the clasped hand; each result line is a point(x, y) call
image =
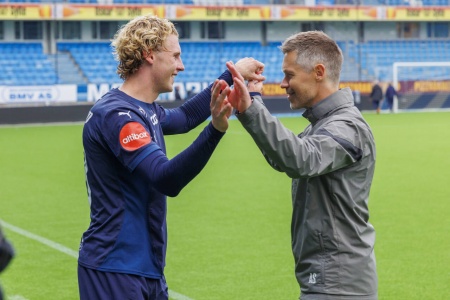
point(224, 99)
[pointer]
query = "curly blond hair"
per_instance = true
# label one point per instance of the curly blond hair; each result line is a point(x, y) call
point(134, 39)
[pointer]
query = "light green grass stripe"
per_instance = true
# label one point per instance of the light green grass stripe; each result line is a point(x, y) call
point(64, 249)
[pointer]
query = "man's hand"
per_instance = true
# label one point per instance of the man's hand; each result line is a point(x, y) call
point(220, 107)
point(239, 96)
point(255, 86)
point(250, 69)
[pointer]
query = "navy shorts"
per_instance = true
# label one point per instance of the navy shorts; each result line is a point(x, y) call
point(98, 285)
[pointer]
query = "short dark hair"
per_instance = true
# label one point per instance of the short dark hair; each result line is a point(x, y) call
point(315, 47)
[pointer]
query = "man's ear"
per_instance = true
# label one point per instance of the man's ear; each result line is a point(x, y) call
point(149, 56)
point(319, 70)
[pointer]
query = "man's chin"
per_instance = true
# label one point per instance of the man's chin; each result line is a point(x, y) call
point(293, 107)
point(168, 89)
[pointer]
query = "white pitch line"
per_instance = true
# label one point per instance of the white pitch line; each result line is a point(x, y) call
point(177, 296)
point(16, 297)
point(174, 295)
point(40, 239)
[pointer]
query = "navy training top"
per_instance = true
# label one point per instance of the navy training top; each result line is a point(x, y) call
point(128, 177)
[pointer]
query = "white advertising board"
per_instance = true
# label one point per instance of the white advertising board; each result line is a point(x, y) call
point(38, 93)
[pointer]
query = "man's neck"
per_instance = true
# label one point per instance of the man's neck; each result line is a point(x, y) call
point(139, 90)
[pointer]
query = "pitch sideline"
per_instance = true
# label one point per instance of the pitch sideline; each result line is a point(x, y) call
point(174, 295)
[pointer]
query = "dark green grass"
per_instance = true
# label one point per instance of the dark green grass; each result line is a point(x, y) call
point(229, 230)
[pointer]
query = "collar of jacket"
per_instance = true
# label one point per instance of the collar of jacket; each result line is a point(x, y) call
point(340, 98)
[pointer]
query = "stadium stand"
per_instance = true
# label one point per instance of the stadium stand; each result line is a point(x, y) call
point(377, 58)
point(82, 63)
point(95, 61)
point(25, 64)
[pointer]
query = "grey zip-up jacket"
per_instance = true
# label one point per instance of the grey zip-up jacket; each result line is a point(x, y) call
point(331, 165)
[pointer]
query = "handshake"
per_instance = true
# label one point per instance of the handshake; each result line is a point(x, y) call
point(224, 98)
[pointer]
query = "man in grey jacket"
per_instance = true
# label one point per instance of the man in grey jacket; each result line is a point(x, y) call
point(331, 165)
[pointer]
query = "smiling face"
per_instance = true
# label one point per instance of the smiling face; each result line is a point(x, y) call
point(300, 84)
point(166, 64)
point(312, 65)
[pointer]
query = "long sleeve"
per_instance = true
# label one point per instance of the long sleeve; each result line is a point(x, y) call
point(169, 177)
point(309, 156)
point(192, 113)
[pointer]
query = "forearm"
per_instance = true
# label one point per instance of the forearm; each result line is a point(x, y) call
point(285, 151)
point(169, 177)
point(266, 131)
point(194, 112)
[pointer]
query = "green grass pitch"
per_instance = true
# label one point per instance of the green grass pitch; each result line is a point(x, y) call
point(229, 230)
